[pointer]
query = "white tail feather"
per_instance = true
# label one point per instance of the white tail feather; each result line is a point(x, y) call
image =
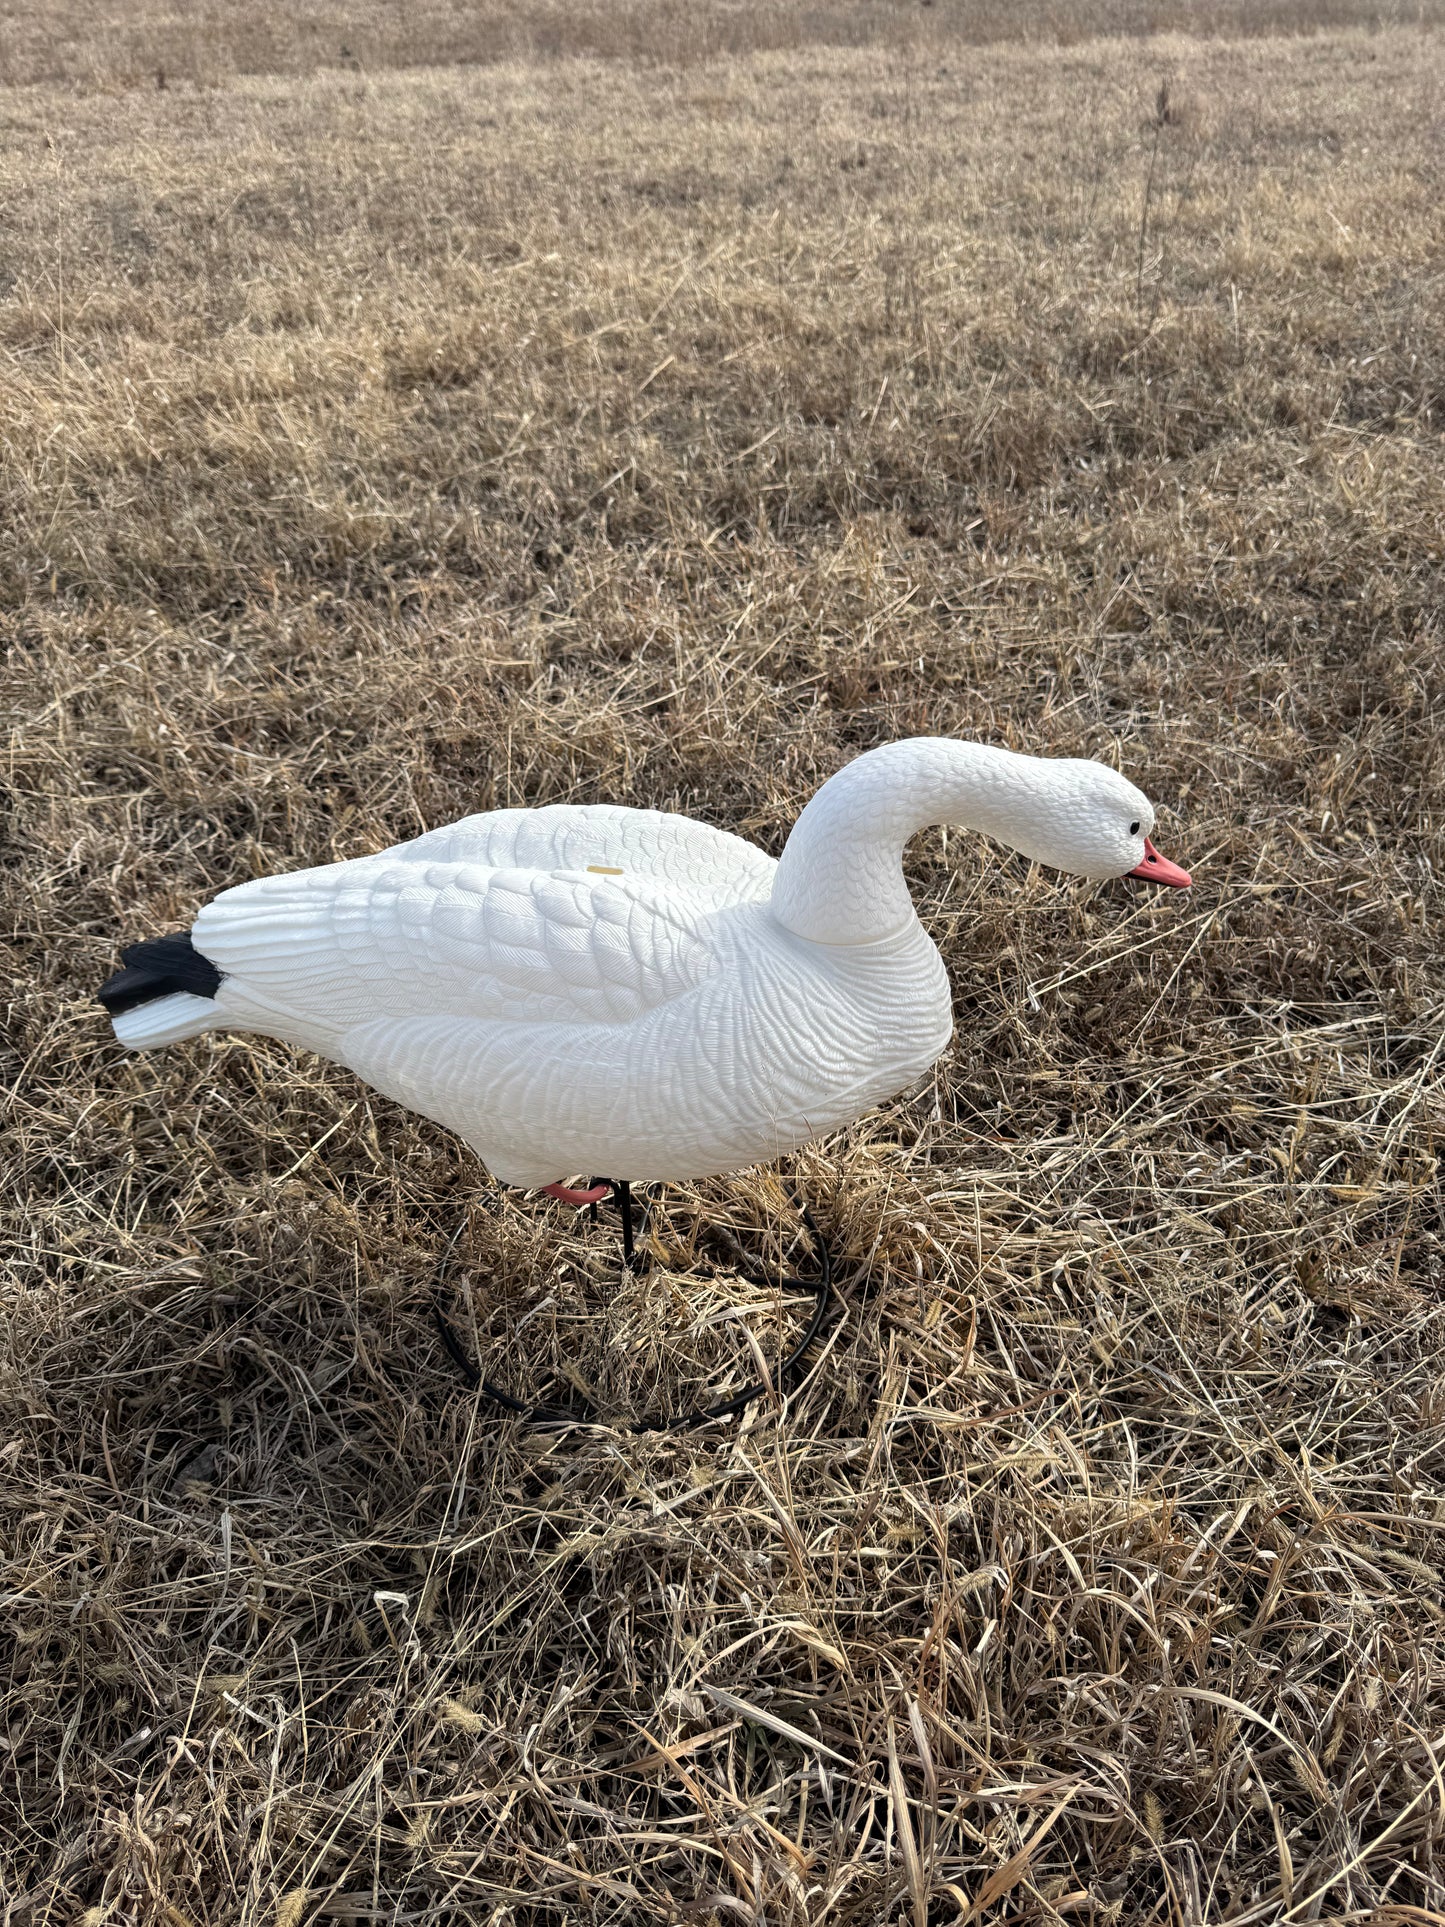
point(166, 1020)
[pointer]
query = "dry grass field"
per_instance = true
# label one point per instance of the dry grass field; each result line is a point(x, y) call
point(663, 418)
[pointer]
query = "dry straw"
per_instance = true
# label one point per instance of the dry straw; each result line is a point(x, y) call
point(382, 445)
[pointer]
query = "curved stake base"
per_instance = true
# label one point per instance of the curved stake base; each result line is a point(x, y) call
point(544, 1414)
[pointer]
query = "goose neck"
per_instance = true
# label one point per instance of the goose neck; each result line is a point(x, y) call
point(840, 879)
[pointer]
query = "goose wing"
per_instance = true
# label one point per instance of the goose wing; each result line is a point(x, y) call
point(566, 836)
point(313, 954)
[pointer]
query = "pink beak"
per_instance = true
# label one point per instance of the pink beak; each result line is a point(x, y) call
point(1158, 869)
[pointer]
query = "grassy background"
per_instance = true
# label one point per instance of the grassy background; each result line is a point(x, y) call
point(94, 44)
point(385, 440)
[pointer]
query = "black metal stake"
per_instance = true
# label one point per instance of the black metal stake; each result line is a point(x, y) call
point(622, 1191)
point(541, 1414)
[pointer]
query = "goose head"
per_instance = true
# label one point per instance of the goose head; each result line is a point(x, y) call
point(841, 881)
point(1087, 820)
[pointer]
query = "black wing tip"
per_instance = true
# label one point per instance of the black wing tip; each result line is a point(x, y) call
point(126, 989)
point(157, 968)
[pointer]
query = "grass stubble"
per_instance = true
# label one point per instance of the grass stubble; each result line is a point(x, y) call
point(385, 445)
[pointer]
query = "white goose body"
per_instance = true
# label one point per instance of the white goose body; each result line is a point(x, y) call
point(577, 990)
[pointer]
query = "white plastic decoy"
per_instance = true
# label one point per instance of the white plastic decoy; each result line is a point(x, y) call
point(582, 989)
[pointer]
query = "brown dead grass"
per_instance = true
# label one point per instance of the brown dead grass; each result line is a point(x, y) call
point(380, 447)
point(93, 44)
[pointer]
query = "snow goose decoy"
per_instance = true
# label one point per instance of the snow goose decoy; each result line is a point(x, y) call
point(576, 989)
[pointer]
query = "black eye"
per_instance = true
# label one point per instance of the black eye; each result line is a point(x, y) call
point(1133, 829)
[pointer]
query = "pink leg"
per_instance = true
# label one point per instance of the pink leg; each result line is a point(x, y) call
point(568, 1196)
